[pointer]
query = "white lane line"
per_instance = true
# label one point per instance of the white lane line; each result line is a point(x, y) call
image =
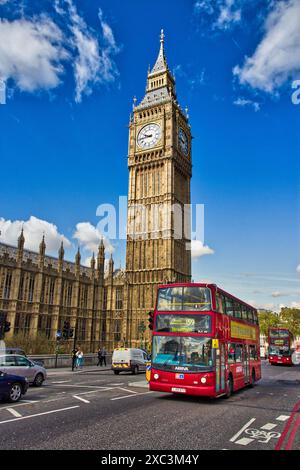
point(60, 382)
point(282, 418)
point(268, 426)
point(39, 414)
point(18, 404)
point(126, 390)
point(96, 391)
point(244, 441)
point(81, 399)
point(130, 396)
point(123, 383)
point(242, 430)
point(81, 386)
point(14, 412)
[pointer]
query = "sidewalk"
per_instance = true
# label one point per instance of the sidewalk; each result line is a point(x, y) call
point(68, 370)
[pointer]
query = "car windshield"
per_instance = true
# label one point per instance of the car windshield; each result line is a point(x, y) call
point(182, 353)
point(184, 299)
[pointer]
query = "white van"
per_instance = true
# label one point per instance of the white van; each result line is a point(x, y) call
point(129, 359)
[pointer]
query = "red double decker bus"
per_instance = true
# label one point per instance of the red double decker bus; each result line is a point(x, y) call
point(280, 346)
point(204, 342)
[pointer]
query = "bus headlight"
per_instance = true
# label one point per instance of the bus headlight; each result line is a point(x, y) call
point(203, 380)
point(156, 376)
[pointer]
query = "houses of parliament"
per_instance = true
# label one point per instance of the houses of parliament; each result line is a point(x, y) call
point(39, 292)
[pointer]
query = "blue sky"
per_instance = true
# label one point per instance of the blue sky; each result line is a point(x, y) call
point(71, 69)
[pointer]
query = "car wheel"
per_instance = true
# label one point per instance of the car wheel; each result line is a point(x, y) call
point(15, 393)
point(38, 381)
point(135, 370)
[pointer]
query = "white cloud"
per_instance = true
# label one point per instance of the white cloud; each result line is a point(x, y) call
point(295, 305)
point(34, 51)
point(246, 102)
point(223, 13)
point(91, 63)
point(31, 53)
point(198, 249)
point(34, 229)
point(89, 237)
point(277, 57)
point(298, 269)
point(279, 294)
point(228, 15)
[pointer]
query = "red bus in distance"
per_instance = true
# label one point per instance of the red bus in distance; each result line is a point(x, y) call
point(280, 346)
point(205, 341)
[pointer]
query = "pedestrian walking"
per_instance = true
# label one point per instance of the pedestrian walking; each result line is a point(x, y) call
point(74, 357)
point(99, 357)
point(79, 362)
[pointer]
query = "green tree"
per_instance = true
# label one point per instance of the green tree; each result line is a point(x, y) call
point(290, 319)
point(267, 319)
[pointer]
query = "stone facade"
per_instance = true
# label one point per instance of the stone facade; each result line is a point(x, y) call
point(39, 292)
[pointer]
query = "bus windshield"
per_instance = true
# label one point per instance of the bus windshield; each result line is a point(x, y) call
point(182, 353)
point(192, 298)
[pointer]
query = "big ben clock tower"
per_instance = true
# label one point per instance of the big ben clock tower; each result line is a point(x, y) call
point(160, 169)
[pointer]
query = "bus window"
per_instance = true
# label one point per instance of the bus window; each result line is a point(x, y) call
point(237, 310)
point(244, 313)
point(238, 352)
point(231, 353)
point(219, 301)
point(255, 318)
point(253, 352)
point(229, 307)
point(250, 315)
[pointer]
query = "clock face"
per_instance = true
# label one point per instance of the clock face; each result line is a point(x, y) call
point(183, 141)
point(149, 136)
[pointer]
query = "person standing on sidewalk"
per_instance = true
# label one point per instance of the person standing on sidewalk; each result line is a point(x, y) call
point(103, 356)
point(74, 357)
point(79, 356)
point(99, 357)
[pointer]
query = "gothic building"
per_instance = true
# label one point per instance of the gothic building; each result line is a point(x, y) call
point(39, 292)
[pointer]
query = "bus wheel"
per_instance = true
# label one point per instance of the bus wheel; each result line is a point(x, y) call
point(116, 372)
point(229, 384)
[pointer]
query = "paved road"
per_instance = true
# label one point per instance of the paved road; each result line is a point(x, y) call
point(98, 410)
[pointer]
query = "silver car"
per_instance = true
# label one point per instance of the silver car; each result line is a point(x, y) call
point(22, 366)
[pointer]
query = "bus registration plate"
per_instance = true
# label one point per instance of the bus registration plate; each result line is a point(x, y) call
point(178, 390)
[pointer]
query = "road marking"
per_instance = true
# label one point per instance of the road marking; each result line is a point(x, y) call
point(81, 386)
point(39, 414)
point(268, 426)
point(244, 441)
point(14, 412)
point(60, 382)
point(130, 396)
point(96, 391)
point(126, 390)
point(123, 383)
point(282, 418)
point(81, 399)
point(242, 430)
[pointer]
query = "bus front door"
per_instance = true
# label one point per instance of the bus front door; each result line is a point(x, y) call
point(220, 369)
point(246, 364)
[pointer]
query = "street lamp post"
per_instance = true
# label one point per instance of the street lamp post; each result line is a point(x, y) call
point(142, 329)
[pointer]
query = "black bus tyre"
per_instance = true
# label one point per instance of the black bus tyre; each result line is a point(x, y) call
point(116, 372)
point(229, 385)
